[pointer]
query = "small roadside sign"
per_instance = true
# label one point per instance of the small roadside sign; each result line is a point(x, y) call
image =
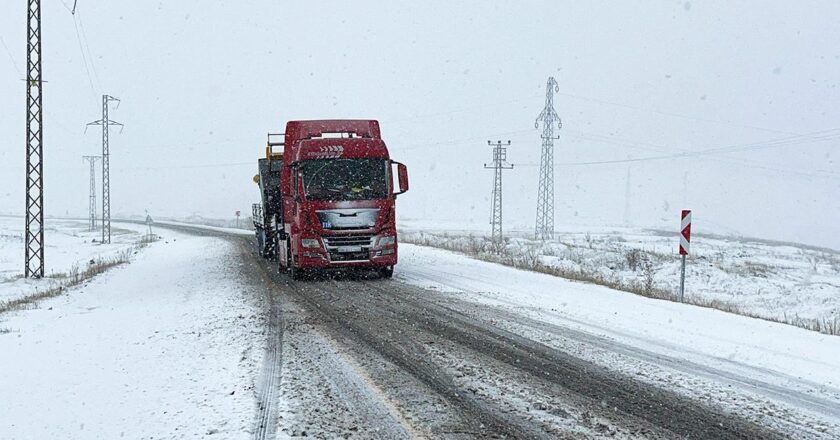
point(685, 232)
point(685, 244)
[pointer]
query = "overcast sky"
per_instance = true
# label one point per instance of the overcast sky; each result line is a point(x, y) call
point(749, 93)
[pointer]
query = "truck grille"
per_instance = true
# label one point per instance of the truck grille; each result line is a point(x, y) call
point(348, 240)
point(349, 247)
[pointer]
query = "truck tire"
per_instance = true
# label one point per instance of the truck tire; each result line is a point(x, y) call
point(294, 272)
point(260, 242)
point(386, 272)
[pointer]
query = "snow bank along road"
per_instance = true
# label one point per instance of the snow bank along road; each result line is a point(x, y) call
point(166, 347)
point(451, 348)
point(371, 358)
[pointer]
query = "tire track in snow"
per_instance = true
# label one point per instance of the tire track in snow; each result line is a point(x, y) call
point(265, 425)
point(769, 384)
point(268, 384)
point(661, 408)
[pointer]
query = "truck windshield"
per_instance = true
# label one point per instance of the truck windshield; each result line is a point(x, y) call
point(344, 179)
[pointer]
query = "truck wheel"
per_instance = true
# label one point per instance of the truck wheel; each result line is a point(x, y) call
point(283, 266)
point(260, 245)
point(386, 272)
point(294, 272)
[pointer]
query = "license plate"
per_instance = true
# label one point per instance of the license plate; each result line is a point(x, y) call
point(347, 249)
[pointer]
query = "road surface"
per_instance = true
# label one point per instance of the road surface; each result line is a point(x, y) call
point(355, 356)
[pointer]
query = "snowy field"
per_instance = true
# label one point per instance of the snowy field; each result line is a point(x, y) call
point(69, 245)
point(166, 347)
point(786, 282)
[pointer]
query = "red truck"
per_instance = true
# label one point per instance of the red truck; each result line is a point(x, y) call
point(328, 198)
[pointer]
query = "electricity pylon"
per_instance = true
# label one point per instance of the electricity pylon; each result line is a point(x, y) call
point(545, 194)
point(499, 164)
point(106, 123)
point(92, 197)
point(34, 230)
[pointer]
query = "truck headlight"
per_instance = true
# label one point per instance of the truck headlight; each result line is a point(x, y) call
point(310, 243)
point(386, 240)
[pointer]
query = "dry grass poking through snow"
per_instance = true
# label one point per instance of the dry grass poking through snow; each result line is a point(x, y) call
point(74, 277)
point(652, 272)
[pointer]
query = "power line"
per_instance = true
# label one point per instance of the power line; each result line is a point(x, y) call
point(84, 58)
point(87, 46)
point(11, 58)
point(710, 156)
point(817, 136)
point(181, 167)
point(673, 114)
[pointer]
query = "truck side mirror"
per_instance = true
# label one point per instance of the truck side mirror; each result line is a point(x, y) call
point(402, 173)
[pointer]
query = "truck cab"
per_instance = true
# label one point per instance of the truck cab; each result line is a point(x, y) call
point(338, 186)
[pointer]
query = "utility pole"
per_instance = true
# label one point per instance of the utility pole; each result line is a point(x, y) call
point(499, 164)
point(106, 123)
point(34, 230)
point(545, 194)
point(92, 197)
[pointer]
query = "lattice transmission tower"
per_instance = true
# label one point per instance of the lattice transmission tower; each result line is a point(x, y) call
point(92, 194)
point(545, 194)
point(106, 123)
point(34, 230)
point(499, 164)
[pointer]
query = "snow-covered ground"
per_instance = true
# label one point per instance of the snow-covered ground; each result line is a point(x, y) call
point(781, 281)
point(69, 244)
point(170, 345)
point(167, 346)
point(695, 333)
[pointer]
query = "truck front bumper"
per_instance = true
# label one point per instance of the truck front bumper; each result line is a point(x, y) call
point(319, 259)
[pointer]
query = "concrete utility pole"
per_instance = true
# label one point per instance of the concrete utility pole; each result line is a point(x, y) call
point(106, 123)
point(92, 195)
point(34, 231)
point(499, 164)
point(545, 194)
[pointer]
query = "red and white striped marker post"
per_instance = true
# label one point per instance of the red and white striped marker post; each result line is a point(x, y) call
point(685, 243)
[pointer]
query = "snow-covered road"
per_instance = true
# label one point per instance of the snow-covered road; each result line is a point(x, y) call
point(747, 365)
point(181, 344)
point(165, 347)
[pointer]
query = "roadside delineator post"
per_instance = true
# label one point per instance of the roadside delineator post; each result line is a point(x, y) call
point(685, 243)
point(149, 222)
